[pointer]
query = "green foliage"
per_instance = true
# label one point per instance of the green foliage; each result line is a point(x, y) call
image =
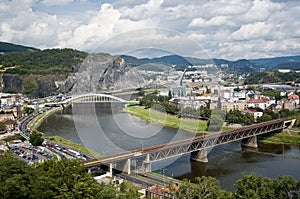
point(27, 110)
point(54, 179)
point(204, 187)
point(14, 137)
point(2, 126)
point(264, 118)
point(274, 93)
point(30, 86)
point(236, 117)
point(50, 61)
point(9, 47)
point(158, 102)
point(271, 77)
point(36, 138)
point(252, 186)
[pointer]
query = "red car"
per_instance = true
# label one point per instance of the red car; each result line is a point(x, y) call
point(144, 174)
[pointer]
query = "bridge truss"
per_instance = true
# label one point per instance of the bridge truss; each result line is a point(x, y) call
point(181, 147)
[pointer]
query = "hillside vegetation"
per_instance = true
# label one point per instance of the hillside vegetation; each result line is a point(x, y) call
point(50, 61)
point(272, 77)
point(9, 47)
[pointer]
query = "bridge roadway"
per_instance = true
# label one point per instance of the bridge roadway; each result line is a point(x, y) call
point(90, 98)
point(196, 146)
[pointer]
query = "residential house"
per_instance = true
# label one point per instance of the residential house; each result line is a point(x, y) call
point(261, 103)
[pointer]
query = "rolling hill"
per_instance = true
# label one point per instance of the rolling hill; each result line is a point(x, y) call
point(9, 47)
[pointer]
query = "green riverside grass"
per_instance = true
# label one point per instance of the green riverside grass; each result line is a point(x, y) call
point(73, 145)
point(284, 137)
point(172, 121)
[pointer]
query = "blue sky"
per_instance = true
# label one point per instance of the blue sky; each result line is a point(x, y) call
point(231, 29)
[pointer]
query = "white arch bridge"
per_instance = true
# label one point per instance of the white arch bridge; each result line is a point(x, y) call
point(91, 98)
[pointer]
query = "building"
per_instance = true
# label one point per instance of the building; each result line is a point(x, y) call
point(261, 103)
point(233, 105)
point(10, 124)
point(178, 91)
point(158, 191)
point(294, 98)
point(256, 114)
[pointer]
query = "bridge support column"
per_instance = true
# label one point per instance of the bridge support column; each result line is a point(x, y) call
point(250, 142)
point(199, 156)
point(128, 166)
point(110, 169)
point(147, 164)
point(89, 170)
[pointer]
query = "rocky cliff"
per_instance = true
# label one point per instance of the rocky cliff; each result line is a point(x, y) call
point(97, 73)
point(102, 72)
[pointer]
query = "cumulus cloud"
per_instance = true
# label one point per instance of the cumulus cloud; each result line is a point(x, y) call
point(226, 29)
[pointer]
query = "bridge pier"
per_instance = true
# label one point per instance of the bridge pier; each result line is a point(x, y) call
point(250, 142)
point(127, 167)
point(199, 156)
point(110, 169)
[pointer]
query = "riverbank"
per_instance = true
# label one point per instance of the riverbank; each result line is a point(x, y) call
point(37, 121)
point(73, 145)
point(172, 121)
point(284, 137)
point(199, 126)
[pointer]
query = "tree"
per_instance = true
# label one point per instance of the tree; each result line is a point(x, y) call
point(28, 110)
point(252, 186)
point(36, 138)
point(204, 187)
point(2, 126)
point(264, 118)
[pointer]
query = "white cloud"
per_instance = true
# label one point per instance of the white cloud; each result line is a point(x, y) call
point(227, 29)
point(56, 3)
point(251, 31)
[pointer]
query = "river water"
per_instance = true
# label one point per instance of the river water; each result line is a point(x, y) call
point(108, 130)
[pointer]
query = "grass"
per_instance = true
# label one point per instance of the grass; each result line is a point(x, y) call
point(284, 137)
point(73, 145)
point(172, 121)
point(37, 121)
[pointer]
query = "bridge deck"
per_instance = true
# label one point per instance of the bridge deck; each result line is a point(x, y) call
point(171, 149)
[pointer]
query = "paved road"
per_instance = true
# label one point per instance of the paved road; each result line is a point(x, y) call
point(135, 180)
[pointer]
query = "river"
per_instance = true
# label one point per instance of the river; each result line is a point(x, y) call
point(108, 130)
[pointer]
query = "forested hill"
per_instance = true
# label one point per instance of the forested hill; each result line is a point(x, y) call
point(9, 47)
point(272, 77)
point(50, 61)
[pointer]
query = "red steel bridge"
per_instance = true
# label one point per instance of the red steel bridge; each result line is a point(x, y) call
point(197, 146)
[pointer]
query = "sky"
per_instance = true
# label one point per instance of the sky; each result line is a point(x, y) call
point(228, 29)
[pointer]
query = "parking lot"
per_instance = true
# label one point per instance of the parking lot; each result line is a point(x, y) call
point(31, 154)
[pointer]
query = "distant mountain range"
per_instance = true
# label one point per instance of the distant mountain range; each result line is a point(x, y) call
point(238, 66)
point(9, 47)
point(180, 63)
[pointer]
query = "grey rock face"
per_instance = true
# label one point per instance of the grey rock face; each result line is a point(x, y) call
point(102, 72)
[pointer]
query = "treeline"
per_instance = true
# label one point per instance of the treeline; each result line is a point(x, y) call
point(272, 77)
point(249, 186)
point(9, 47)
point(68, 179)
point(50, 61)
point(54, 179)
point(237, 117)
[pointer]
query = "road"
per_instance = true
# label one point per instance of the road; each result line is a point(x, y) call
point(135, 180)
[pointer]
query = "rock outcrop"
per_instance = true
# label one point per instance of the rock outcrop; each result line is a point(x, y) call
point(102, 72)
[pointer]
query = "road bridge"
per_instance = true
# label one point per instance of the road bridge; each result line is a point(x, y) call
point(91, 98)
point(197, 146)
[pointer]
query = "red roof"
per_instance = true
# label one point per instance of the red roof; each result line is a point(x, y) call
point(294, 96)
point(206, 95)
point(261, 100)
